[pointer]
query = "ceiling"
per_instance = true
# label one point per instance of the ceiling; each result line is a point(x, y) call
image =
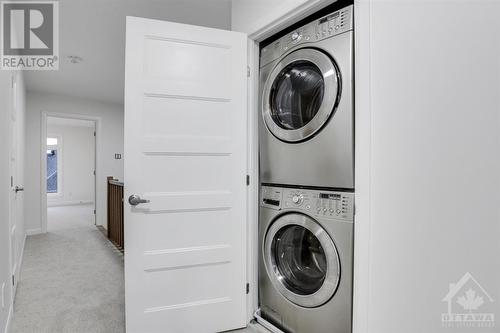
point(95, 31)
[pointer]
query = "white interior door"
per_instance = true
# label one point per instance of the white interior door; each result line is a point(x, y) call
point(185, 152)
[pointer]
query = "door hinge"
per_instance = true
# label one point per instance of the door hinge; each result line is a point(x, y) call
point(94, 212)
point(248, 288)
point(11, 181)
point(12, 81)
point(13, 280)
point(94, 133)
point(248, 180)
point(94, 172)
point(248, 71)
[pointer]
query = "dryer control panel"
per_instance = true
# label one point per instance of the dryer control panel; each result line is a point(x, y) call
point(325, 27)
point(329, 204)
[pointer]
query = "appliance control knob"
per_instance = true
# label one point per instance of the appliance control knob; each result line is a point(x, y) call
point(297, 199)
point(295, 36)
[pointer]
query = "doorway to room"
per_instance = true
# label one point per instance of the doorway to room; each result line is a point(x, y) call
point(69, 178)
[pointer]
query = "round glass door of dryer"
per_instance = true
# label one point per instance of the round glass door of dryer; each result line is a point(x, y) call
point(301, 260)
point(300, 95)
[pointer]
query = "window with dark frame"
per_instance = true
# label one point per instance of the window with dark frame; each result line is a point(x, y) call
point(52, 165)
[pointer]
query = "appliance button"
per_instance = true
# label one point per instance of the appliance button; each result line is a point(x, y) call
point(337, 27)
point(295, 36)
point(297, 199)
point(308, 207)
point(338, 211)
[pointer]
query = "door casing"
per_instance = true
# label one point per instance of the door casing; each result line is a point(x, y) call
point(43, 162)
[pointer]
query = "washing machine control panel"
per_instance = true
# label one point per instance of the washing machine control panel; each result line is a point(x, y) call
point(271, 197)
point(325, 27)
point(328, 204)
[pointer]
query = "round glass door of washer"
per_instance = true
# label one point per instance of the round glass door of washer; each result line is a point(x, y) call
point(301, 260)
point(300, 95)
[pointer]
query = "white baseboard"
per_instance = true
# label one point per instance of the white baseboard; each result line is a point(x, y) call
point(69, 203)
point(35, 231)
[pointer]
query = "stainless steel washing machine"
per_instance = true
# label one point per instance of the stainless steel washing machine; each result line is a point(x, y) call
point(306, 259)
point(306, 100)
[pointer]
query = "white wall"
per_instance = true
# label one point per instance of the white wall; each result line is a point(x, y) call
point(251, 16)
point(6, 100)
point(428, 172)
point(77, 154)
point(110, 141)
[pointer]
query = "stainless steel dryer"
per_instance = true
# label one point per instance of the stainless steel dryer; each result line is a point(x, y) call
point(306, 259)
point(306, 99)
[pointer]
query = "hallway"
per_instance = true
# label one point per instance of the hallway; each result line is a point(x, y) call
point(71, 278)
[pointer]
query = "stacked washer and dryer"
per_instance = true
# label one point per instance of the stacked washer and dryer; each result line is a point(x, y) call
point(307, 176)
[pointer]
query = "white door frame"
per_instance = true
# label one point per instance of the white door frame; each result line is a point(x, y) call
point(362, 152)
point(253, 188)
point(43, 160)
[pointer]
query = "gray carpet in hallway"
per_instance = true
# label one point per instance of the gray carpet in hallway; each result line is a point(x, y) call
point(71, 278)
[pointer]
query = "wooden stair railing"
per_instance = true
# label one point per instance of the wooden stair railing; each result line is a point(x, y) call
point(115, 213)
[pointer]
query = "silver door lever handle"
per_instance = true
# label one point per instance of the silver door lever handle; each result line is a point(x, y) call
point(134, 200)
point(19, 189)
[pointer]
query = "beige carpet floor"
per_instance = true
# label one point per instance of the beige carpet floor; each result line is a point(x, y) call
point(71, 278)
